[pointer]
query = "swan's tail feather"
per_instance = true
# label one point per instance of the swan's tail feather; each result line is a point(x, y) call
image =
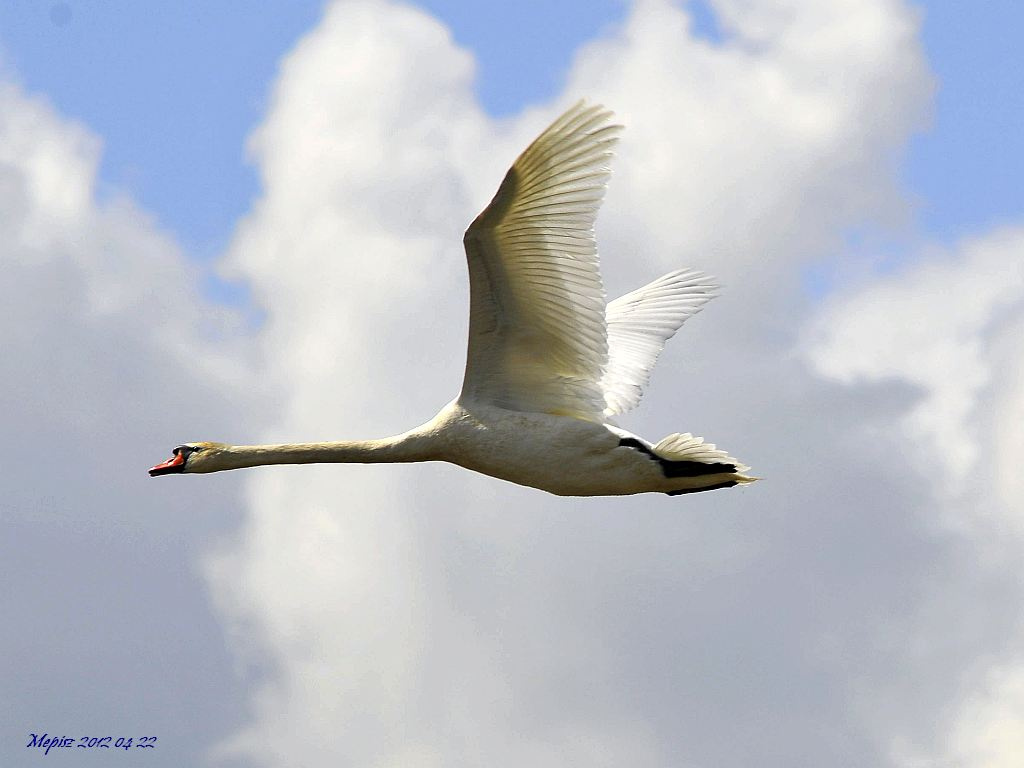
point(690, 462)
point(687, 448)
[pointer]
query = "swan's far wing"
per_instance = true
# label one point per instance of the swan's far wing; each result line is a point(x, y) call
point(537, 307)
point(639, 324)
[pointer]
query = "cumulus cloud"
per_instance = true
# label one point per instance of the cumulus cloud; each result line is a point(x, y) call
point(424, 616)
point(109, 353)
point(940, 326)
point(990, 728)
point(950, 326)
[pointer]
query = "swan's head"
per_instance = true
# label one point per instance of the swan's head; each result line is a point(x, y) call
point(191, 458)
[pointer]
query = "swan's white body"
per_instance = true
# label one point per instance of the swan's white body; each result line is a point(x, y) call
point(548, 362)
point(561, 455)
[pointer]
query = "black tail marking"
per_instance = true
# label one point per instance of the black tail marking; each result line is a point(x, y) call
point(715, 487)
point(671, 468)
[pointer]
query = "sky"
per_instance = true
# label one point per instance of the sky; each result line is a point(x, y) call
point(245, 226)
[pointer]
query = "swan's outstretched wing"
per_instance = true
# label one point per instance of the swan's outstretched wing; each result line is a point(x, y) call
point(537, 337)
point(639, 324)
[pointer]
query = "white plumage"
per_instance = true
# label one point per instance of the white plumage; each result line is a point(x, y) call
point(548, 360)
point(537, 339)
point(639, 324)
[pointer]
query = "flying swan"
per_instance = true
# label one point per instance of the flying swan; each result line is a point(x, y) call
point(548, 362)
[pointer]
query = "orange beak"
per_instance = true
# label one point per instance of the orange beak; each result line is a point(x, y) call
point(174, 464)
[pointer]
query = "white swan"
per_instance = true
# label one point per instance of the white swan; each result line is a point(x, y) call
point(548, 361)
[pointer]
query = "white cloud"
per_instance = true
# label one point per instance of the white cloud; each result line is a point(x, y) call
point(952, 326)
point(784, 128)
point(109, 355)
point(990, 728)
point(945, 325)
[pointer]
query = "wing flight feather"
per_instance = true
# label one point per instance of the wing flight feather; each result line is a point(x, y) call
point(537, 339)
point(639, 324)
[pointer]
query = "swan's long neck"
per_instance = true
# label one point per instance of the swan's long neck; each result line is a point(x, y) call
point(401, 448)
